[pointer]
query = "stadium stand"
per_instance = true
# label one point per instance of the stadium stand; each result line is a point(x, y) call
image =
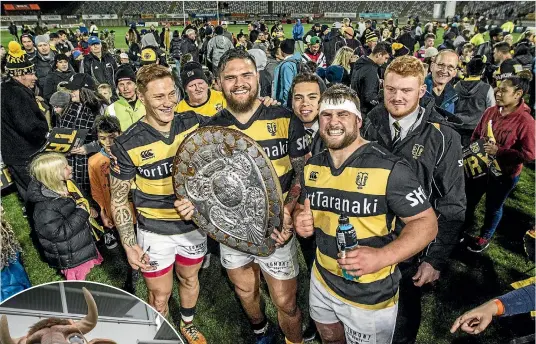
point(151, 7)
point(249, 7)
point(294, 7)
point(104, 7)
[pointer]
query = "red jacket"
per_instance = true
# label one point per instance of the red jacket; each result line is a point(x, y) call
point(515, 137)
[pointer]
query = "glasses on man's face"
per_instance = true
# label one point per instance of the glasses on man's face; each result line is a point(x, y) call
point(443, 66)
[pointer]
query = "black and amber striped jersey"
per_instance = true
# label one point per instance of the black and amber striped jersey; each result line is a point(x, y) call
point(144, 155)
point(372, 188)
point(278, 131)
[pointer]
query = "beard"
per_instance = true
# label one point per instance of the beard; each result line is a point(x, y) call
point(348, 139)
point(401, 112)
point(244, 105)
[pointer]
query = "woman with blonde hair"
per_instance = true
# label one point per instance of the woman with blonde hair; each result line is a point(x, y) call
point(345, 58)
point(62, 218)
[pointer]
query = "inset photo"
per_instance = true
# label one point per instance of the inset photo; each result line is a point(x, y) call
point(81, 313)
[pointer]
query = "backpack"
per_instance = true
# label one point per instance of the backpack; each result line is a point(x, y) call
point(301, 68)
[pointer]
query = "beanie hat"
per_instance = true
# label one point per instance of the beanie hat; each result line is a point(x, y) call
point(208, 31)
point(476, 66)
point(60, 99)
point(41, 39)
point(176, 33)
point(60, 57)
point(218, 30)
point(371, 37)
point(334, 74)
point(430, 52)
point(192, 71)
point(17, 62)
point(27, 35)
point(323, 28)
point(125, 72)
point(495, 32)
point(287, 46)
point(79, 80)
point(148, 56)
point(399, 49)
point(314, 40)
point(53, 35)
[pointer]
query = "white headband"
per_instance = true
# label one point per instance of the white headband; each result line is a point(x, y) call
point(346, 105)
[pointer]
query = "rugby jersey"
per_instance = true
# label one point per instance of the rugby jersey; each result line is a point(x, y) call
point(146, 156)
point(214, 103)
point(371, 187)
point(278, 131)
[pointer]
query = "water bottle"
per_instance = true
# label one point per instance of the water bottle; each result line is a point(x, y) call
point(346, 240)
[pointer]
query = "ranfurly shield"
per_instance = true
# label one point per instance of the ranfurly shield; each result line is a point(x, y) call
point(234, 188)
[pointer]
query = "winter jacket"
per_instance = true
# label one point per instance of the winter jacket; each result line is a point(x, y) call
point(23, 126)
point(474, 97)
point(319, 58)
point(228, 35)
point(188, 47)
point(310, 34)
point(175, 48)
point(62, 228)
point(450, 98)
point(43, 66)
point(297, 31)
point(408, 41)
point(64, 47)
point(134, 52)
point(514, 134)
point(332, 45)
point(102, 70)
point(217, 46)
point(365, 81)
point(284, 74)
point(125, 113)
point(52, 80)
point(434, 151)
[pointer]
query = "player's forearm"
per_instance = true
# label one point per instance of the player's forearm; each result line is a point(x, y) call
point(414, 237)
point(121, 211)
point(296, 187)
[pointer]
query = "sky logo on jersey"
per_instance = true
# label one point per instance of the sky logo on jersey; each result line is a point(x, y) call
point(416, 197)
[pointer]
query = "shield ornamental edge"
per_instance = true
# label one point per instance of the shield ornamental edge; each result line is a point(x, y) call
point(233, 186)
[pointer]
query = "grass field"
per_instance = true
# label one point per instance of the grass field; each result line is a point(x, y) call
point(469, 280)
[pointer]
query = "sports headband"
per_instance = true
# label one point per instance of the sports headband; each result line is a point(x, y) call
point(346, 105)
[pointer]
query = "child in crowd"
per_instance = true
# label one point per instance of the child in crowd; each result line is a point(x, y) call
point(63, 222)
point(106, 129)
point(105, 90)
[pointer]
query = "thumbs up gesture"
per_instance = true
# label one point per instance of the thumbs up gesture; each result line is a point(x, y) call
point(303, 219)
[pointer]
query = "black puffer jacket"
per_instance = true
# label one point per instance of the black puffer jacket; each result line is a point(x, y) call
point(62, 229)
point(366, 82)
point(52, 80)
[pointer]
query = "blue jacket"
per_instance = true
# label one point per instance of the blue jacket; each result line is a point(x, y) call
point(297, 31)
point(284, 73)
point(450, 99)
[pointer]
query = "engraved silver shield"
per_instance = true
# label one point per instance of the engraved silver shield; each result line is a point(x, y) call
point(234, 188)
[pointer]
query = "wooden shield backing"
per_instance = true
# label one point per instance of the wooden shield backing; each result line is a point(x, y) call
point(234, 188)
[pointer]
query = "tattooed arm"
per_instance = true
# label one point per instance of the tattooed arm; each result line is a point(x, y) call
point(283, 235)
point(123, 218)
point(295, 188)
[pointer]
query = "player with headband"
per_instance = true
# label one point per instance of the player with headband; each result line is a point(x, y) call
point(370, 186)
